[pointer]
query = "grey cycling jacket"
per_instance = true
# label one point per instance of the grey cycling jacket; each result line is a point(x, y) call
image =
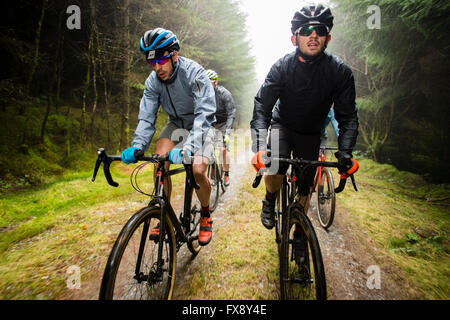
point(226, 110)
point(189, 100)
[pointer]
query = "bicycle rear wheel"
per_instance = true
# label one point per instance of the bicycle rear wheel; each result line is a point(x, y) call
point(302, 275)
point(214, 178)
point(131, 272)
point(326, 199)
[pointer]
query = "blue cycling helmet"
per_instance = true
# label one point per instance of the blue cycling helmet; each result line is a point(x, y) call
point(156, 41)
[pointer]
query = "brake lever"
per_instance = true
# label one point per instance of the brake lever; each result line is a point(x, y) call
point(353, 182)
point(97, 166)
point(257, 180)
point(341, 186)
point(108, 176)
point(103, 157)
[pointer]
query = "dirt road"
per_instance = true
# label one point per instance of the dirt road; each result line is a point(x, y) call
point(350, 258)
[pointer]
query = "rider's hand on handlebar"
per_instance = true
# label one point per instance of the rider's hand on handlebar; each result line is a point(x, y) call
point(347, 165)
point(258, 160)
point(176, 155)
point(128, 155)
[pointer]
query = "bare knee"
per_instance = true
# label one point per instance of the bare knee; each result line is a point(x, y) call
point(199, 167)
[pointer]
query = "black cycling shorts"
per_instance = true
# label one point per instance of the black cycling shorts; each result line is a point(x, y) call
point(285, 143)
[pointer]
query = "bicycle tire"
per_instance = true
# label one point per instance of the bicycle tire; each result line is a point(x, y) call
point(213, 175)
point(193, 245)
point(326, 199)
point(119, 278)
point(278, 218)
point(302, 276)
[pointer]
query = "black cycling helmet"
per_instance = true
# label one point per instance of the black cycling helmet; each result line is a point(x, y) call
point(155, 42)
point(313, 14)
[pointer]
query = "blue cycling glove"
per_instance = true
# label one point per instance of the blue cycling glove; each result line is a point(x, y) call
point(127, 155)
point(176, 156)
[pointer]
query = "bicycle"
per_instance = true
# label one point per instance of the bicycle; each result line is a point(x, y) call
point(302, 273)
point(216, 176)
point(324, 186)
point(138, 266)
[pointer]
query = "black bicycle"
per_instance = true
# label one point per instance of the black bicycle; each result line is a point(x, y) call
point(302, 273)
point(141, 265)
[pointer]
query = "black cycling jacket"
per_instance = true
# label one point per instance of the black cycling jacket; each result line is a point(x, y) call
point(306, 93)
point(226, 110)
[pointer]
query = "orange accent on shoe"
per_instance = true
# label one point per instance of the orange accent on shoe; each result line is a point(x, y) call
point(205, 234)
point(154, 233)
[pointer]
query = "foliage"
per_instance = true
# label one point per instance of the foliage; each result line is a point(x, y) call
point(401, 73)
point(75, 99)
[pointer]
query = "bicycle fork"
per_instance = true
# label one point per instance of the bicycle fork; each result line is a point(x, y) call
point(155, 274)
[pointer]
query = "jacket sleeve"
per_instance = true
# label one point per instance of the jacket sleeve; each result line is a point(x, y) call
point(204, 109)
point(334, 123)
point(231, 112)
point(265, 99)
point(147, 116)
point(345, 110)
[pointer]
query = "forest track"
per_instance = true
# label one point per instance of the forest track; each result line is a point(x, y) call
point(349, 256)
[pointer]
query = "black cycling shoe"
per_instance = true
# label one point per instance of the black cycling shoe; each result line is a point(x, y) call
point(154, 233)
point(268, 214)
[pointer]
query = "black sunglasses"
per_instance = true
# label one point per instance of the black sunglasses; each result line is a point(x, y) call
point(305, 31)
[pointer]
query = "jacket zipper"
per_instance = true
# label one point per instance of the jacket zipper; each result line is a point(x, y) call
point(173, 107)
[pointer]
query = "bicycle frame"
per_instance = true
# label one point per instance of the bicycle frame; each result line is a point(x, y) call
point(322, 157)
point(182, 226)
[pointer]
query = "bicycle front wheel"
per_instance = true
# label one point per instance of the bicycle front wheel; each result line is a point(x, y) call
point(194, 219)
point(132, 271)
point(326, 199)
point(302, 275)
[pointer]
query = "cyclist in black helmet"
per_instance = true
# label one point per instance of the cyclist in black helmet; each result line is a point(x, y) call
point(184, 91)
point(225, 114)
point(307, 82)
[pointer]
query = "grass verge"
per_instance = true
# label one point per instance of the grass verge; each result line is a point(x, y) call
point(409, 221)
point(73, 222)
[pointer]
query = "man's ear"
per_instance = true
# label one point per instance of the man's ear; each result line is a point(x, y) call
point(175, 56)
point(294, 40)
point(328, 39)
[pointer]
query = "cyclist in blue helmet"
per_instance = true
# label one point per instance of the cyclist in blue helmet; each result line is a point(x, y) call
point(184, 91)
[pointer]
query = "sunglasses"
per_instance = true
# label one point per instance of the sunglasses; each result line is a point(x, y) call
point(305, 31)
point(161, 61)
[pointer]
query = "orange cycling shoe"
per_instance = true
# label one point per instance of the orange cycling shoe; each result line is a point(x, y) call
point(205, 234)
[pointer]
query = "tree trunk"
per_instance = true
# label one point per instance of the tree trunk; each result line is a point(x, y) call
point(94, 72)
point(86, 87)
point(59, 63)
point(47, 113)
point(125, 126)
point(35, 61)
